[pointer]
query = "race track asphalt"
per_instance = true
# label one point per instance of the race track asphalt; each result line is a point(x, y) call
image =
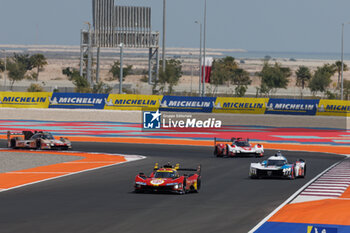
point(102, 201)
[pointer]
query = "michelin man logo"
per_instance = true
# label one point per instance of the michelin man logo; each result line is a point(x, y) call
point(53, 101)
point(269, 107)
point(108, 103)
point(217, 106)
point(321, 108)
point(163, 104)
point(151, 120)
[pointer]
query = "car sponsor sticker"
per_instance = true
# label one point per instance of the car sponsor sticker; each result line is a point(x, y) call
point(157, 181)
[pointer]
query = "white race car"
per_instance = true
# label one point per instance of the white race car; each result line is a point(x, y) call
point(278, 166)
point(237, 147)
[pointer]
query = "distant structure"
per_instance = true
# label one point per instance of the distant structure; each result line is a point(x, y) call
point(118, 27)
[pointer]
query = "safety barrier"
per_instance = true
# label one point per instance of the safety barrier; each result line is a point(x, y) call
point(175, 103)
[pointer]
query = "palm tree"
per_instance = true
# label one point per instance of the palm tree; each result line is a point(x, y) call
point(345, 68)
point(38, 61)
point(303, 77)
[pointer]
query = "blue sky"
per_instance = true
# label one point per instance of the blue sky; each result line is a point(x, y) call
point(255, 25)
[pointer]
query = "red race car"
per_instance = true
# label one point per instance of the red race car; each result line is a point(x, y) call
point(237, 147)
point(169, 179)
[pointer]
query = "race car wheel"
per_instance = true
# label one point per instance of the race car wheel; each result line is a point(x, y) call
point(216, 152)
point(292, 177)
point(38, 144)
point(198, 185)
point(304, 173)
point(227, 151)
point(13, 143)
point(183, 191)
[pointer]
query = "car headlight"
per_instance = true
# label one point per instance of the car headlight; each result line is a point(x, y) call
point(140, 183)
point(176, 186)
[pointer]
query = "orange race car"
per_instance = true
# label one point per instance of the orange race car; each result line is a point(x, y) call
point(36, 140)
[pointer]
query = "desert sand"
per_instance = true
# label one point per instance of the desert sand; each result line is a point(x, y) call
point(51, 76)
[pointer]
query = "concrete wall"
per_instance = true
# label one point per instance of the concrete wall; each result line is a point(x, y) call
point(136, 116)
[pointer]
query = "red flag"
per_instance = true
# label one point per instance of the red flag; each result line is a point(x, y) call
point(208, 61)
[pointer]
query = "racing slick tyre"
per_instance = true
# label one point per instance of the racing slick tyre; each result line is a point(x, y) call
point(304, 174)
point(227, 151)
point(183, 191)
point(216, 152)
point(13, 143)
point(292, 177)
point(198, 185)
point(38, 144)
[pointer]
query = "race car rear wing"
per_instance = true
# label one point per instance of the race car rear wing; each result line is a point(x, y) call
point(177, 167)
point(13, 133)
point(216, 140)
point(26, 134)
point(198, 170)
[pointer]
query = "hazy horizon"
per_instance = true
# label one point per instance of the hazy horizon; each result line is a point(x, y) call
point(298, 26)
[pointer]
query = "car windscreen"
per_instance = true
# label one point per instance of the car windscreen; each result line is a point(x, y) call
point(272, 162)
point(47, 136)
point(242, 144)
point(165, 175)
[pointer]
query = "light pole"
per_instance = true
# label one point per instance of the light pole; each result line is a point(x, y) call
point(164, 28)
point(342, 61)
point(204, 46)
point(5, 63)
point(89, 54)
point(121, 69)
point(191, 71)
point(200, 56)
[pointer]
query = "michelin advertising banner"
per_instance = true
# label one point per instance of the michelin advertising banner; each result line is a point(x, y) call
point(334, 108)
point(292, 106)
point(133, 102)
point(240, 105)
point(25, 99)
point(187, 104)
point(174, 103)
point(78, 100)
